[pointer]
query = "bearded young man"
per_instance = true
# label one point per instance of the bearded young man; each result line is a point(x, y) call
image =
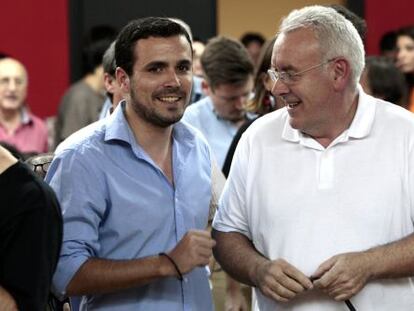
point(134, 209)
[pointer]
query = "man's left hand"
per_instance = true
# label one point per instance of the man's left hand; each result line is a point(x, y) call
point(343, 276)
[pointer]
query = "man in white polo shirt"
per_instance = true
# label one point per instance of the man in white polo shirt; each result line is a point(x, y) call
point(318, 209)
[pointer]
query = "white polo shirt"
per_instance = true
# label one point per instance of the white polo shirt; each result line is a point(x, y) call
point(302, 202)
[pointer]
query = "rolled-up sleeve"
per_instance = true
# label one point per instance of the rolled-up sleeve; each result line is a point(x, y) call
point(79, 187)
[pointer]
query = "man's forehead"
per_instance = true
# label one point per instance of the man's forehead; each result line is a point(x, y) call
point(11, 67)
point(162, 42)
point(295, 44)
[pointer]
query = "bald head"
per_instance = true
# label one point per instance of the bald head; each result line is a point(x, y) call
point(13, 84)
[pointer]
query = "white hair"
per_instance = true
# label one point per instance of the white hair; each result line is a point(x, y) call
point(337, 36)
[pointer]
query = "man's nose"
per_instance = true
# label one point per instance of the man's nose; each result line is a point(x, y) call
point(279, 88)
point(240, 102)
point(173, 80)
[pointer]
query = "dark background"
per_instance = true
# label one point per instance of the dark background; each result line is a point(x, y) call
point(84, 14)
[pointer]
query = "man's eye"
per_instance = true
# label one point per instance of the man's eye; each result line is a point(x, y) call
point(155, 69)
point(184, 68)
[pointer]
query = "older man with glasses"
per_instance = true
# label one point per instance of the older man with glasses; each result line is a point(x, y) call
point(317, 210)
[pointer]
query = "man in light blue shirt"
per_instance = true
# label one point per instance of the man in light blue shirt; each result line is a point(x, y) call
point(135, 187)
point(228, 83)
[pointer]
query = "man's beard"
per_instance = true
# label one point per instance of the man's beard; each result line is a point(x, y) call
point(150, 115)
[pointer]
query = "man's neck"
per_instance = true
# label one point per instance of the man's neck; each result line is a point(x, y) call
point(10, 119)
point(338, 124)
point(155, 140)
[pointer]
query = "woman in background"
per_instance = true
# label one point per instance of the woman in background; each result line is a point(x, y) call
point(405, 59)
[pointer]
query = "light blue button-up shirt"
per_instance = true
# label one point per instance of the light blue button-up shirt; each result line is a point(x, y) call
point(218, 131)
point(118, 204)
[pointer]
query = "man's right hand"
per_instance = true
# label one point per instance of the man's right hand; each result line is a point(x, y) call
point(194, 250)
point(280, 281)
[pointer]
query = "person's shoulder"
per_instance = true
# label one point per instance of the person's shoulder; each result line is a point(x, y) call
point(38, 122)
point(390, 112)
point(32, 192)
point(272, 122)
point(198, 107)
point(89, 137)
point(191, 134)
point(76, 91)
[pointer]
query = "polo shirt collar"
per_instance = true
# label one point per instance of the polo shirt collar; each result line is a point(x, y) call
point(360, 126)
point(25, 116)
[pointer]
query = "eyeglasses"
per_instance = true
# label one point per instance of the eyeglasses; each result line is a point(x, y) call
point(288, 77)
point(44, 167)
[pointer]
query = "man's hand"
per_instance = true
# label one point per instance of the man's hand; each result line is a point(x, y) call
point(7, 302)
point(281, 281)
point(344, 275)
point(194, 250)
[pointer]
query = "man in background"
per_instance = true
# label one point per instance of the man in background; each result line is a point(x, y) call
point(228, 83)
point(18, 126)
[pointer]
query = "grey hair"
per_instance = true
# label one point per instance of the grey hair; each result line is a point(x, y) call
point(108, 60)
point(336, 35)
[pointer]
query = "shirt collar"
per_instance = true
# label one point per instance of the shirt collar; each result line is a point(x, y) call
point(360, 126)
point(117, 128)
point(25, 116)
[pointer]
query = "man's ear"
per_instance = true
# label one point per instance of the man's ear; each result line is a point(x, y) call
point(109, 82)
point(341, 74)
point(123, 79)
point(205, 87)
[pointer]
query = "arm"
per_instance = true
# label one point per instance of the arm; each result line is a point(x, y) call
point(7, 302)
point(276, 279)
point(344, 275)
point(102, 276)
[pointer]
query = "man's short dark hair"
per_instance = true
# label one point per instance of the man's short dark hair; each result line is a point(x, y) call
point(143, 28)
point(358, 22)
point(226, 61)
point(388, 41)
point(250, 37)
point(92, 55)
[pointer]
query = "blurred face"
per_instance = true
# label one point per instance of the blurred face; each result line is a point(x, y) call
point(230, 100)
point(13, 84)
point(405, 54)
point(306, 95)
point(112, 87)
point(159, 88)
point(198, 49)
point(254, 49)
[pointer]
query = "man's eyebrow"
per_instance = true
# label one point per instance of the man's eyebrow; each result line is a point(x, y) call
point(157, 64)
point(184, 62)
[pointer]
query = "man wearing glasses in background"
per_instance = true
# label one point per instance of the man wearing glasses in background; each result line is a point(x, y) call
point(318, 208)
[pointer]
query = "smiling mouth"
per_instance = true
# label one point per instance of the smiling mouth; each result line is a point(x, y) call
point(169, 99)
point(292, 105)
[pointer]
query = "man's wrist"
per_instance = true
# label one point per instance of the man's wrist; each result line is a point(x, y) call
point(255, 270)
